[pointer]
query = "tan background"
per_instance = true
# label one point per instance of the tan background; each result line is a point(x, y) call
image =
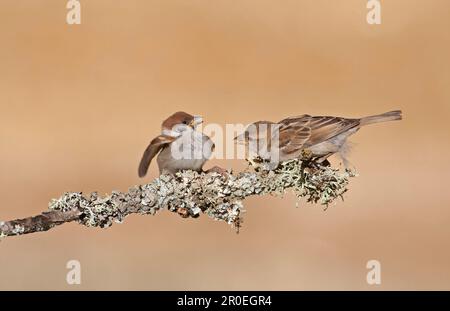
point(79, 103)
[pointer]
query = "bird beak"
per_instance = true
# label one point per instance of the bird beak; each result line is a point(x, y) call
point(196, 121)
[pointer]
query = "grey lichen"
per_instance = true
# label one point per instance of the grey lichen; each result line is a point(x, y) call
point(190, 194)
point(2, 234)
point(18, 229)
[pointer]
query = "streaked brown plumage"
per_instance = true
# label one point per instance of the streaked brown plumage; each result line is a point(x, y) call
point(322, 136)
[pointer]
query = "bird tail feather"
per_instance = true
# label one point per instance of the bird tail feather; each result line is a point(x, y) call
point(384, 117)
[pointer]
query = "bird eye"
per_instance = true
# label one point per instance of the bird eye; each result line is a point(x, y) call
point(185, 122)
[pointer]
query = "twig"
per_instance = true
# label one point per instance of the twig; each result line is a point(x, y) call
point(189, 194)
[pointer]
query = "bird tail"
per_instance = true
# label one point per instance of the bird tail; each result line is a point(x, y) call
point(384, 117)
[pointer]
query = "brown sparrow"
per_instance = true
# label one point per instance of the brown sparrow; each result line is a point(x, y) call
point(179, 147)
point(318, 136)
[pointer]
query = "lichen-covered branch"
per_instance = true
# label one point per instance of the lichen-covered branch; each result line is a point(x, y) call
point(189, 194)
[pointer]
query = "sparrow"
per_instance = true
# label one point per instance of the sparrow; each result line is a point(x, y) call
point(317, 136)
point(179, 147)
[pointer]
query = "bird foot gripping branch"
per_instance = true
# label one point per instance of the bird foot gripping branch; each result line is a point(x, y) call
point(189, 194)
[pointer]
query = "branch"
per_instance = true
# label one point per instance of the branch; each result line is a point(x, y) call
point(189, 194)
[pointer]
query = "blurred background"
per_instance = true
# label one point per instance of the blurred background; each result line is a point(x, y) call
point(78, 105)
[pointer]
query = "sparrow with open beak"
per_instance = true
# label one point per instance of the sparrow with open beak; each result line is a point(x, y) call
point(318, 136)
point(179, 147)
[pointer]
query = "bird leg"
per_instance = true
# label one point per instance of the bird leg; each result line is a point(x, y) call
point(305, 158)
point(302, 171)
point(325, 162)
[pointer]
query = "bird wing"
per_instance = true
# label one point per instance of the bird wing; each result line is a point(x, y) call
point(294, 132)
point(302, 120)
point(324, 128)
point(305, 131)
point(152, 150)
